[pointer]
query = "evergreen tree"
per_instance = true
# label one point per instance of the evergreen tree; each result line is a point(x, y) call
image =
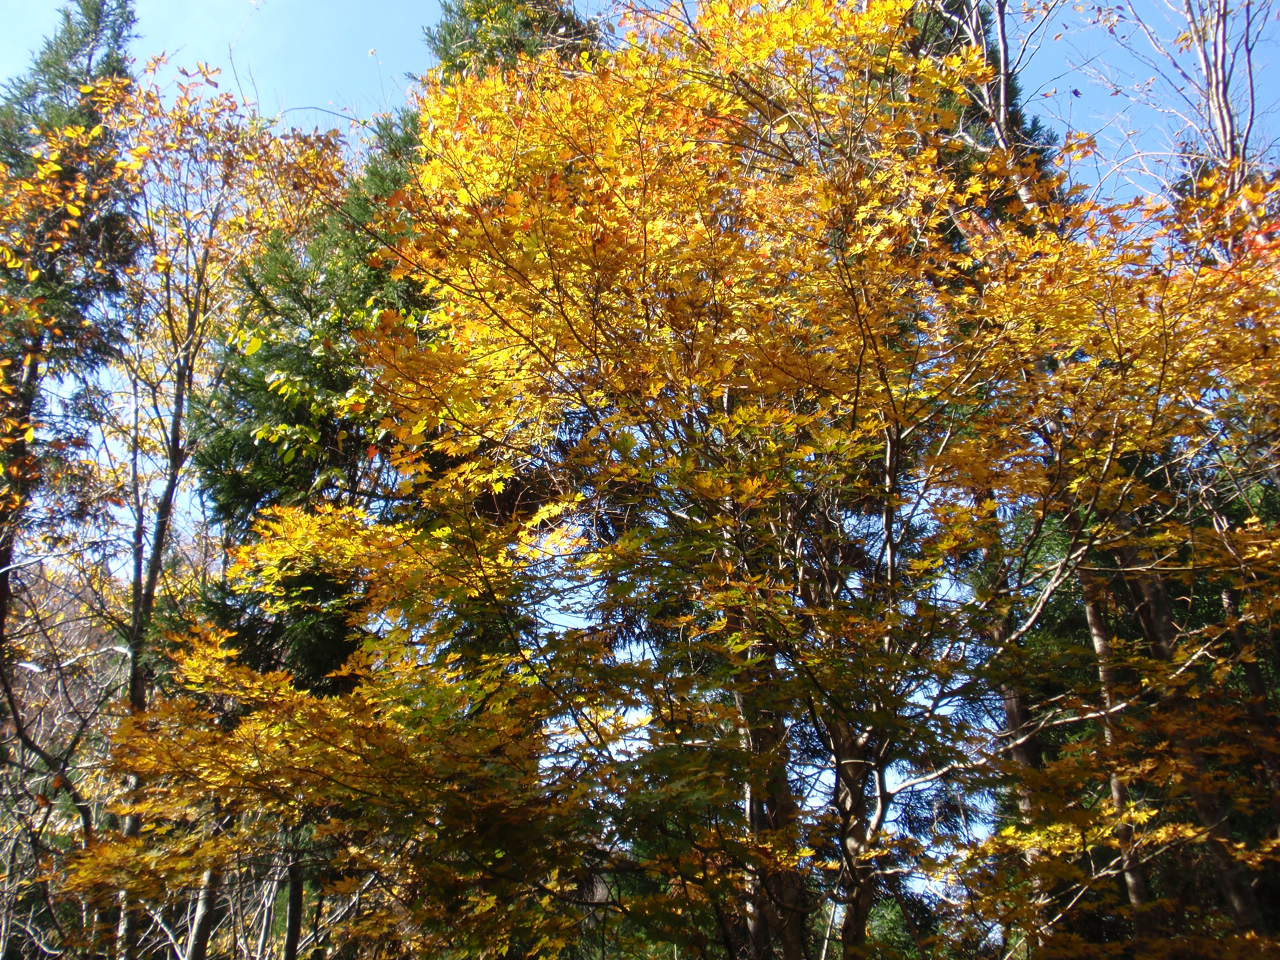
point(90, 44)
point(475, 34)
point(56, 319)
point(291, 423)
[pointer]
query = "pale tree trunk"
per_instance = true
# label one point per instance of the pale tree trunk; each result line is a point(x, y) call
point(203, 922)
point(852, 753)
point(268, 916)
point(149, 556)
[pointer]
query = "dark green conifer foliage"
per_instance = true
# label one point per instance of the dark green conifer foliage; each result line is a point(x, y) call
point(286, 426)
point(90, 44)
point(475, 34)
point(76, 284)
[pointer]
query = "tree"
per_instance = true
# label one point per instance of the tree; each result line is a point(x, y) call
point(216, 183)
point(295, 414)
point(194, 170)
point(293, 421)
point(782, 539)
point(476, 34)
point(64, 245)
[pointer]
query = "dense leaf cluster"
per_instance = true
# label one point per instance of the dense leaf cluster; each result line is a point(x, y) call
point(721, 493)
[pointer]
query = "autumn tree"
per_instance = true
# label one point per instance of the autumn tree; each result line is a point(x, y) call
point(292, 421)
point(1140, 604)
point(109, 352)
point(786, 536)
point(65, 244)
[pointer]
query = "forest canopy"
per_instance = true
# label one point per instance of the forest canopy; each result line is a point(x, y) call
point(706, 482)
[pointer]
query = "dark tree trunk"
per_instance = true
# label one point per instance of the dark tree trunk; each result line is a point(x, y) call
point(293, 916)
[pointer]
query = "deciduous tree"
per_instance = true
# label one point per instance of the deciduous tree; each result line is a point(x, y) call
point(791, 534)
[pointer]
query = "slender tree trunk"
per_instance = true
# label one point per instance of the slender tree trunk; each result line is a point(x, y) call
point(293, 916)
point(1135, 882)
point(779, 910)
point(268, 916)
point(1027, 753)
point(21, 481)
point(148, 563)
point(206, 915)
point(127, 930)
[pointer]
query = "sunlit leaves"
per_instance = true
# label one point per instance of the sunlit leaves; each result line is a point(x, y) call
point(752, 440)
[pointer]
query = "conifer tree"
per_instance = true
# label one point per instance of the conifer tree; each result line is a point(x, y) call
point(475, 34)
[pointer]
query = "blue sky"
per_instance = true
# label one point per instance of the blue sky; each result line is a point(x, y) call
point(288, 54)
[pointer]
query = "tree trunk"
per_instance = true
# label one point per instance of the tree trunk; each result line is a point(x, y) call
point(206, 914)
point(293, 916)
point(1135, 882)
point(854, 768)
point(777, 921)
point(148, 563)
point(268, 915)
